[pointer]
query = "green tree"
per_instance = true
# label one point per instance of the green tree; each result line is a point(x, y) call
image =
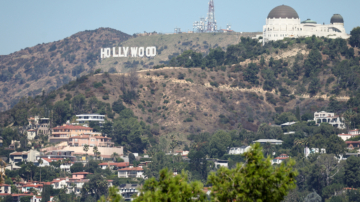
point(313, 64)
point(352, 172)
point(256, 180)
point(95, 150)
point(61, 112)
point(219, 143)
point(285, 117)
point(118, 106)
point(78, 103)
point(313, 197)
point(114, 156)
point(171, 188)
point(77, 167)
point(45, 194)
point(96, 187)
point(113, 196)
point(354, 39)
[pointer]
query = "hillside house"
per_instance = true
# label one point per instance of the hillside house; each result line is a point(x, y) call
point(354, 132)
point(238, 150)
point(352, 144)
point(80, 175)
point(270, 141)
point(308, 151)
point(330, 118)
point(280, 159)
point(28, 156)
point(5, 188)
point(91, 140)
point(64, 132)
point(218, 163)
point(131, 172)
point(114, 165)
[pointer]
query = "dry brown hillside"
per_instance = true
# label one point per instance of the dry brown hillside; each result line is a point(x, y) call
point(188, 103)
point(46, 67)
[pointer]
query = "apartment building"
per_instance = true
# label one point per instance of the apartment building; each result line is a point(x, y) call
point(28, 156)
point(64, 132)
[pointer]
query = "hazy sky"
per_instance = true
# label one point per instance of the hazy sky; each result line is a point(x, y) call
point(29, 22)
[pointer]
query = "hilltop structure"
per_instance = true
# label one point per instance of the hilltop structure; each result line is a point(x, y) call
point(284, 22)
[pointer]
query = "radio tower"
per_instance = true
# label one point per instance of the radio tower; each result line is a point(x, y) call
point(211, 22)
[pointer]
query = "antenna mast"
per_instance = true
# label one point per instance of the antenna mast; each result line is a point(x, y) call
point(211, 22)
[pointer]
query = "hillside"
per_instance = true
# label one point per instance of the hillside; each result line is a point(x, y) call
point(46, 67)
point(242, 87)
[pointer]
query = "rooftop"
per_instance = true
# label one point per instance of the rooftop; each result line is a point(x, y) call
point(72, 127)
point(131, 169)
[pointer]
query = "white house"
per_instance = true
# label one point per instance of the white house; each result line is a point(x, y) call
point(308, 151)
point(280, 159)
point(346, 136)
point(38, 198)
point(31, 134)
point(223, 163)
point(354, 132)
point(59, 183)
point(114, 165)
point(82, 118)
point(270, 141)
point(330, 118)
point(136, 172)
point(5, 189)
point(239, 150)
point(29, 156)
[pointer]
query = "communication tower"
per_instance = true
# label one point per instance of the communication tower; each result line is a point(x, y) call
point(211, 22)
point(199, 26)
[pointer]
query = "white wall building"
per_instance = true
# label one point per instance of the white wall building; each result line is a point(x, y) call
point(330, 118)
point(239, 150)
point(136, 172)
point(82, 118)
point(284, 22)
point(29, 156)
point(219, 163)
point(308, 151)
point(354, 132)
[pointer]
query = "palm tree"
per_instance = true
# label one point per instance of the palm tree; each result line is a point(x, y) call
point(40, 161)
point(96, 151)
point(348, 116)
point(86, 149)
point(114, 156)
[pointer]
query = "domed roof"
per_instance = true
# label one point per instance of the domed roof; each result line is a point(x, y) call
point(283, 12)
point(337, 18)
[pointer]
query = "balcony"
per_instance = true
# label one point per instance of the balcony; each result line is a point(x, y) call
point(106, 144)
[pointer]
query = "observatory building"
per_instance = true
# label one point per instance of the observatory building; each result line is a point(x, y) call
point(284, 22)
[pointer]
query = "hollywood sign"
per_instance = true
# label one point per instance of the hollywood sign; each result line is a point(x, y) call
point(126, 51)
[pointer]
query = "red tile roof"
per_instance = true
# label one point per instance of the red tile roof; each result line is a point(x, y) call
point(81, 173)
point(72, 127)
point(120, 164)
point(349, 142)
point(131, 169)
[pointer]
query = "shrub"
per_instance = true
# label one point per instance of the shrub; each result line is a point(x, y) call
point(189, 80)
point(105, 97)
point(188, 120)
point(178, 101)
point(214, 83)
point(166, 101)
point(181, 76)
point(97, 84)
